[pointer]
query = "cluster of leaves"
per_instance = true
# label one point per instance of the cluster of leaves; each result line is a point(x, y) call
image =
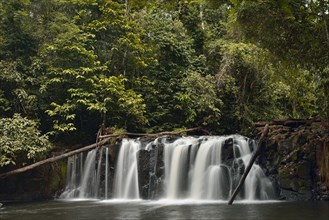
point(91, 61)
point(296, 34)
point(199, 101)
point(20, 141)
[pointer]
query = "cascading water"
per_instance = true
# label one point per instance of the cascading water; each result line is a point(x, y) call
point(209, 172)
point(82, 178)
point(74, 171)
point(89, 177)
point(106, 173)
point(126, 176)
point(99, 171)
point(197, 168)
point(209, 175)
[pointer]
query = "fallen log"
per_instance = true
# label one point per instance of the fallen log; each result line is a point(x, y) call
point(101, 139)
point(155, 134)
point(288, 122)
point(53, 159)
point(251, 162)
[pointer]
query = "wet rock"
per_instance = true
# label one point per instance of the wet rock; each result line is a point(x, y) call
point(303, 170)
point(292, 157)
point(156, 174)
point(143, 172)
point(114, 151)
point(38, 184)
point(159, 161)
point(227, 153)
point(295, 196)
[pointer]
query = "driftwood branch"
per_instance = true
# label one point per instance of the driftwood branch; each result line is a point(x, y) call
point(101, 139)
point(251, 162)
point(53, 159)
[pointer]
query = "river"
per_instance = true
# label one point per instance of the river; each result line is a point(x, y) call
point(164, 209)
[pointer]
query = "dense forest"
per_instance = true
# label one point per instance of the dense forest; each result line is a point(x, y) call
point(69, 66)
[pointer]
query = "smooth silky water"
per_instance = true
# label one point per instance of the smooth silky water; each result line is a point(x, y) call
point(116, 209)
point(198, 168)
point(197, 178)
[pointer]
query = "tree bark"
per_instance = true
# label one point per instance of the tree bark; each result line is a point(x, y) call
point(251, 162)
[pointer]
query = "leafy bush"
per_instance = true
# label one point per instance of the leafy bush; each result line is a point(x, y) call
point(199, 101)
point(21, 142)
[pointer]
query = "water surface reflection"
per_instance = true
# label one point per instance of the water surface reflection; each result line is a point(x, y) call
point(121, 209)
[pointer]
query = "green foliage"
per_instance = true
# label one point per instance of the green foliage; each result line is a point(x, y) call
point(91, 60)
point(247, 84)
point(199, 101)
point(162, 65)
point(18, 31)
point(173, 49)
point(4, 103)
point(292, 30)
point(296, 34)
point(297, 91)
point(14, 88)
point(21, 142)
point(193, 19)
point(323, 91)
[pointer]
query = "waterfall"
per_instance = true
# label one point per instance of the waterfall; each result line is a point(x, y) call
point(81, 177)
point(74, 170)
point(126, 176)
point(99, 172)
point(106, 172)
point(197, 168)
point(88, 176)
point(176, 161)
point(206, 173)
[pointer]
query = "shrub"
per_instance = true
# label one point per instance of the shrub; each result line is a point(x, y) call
point(21, 142)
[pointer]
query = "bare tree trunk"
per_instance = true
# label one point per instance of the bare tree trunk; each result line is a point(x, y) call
point(127, 8)
point(251, 162)
point(324, 10)
point(201, 17)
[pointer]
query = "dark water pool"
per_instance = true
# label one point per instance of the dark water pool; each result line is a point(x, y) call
point(62, 210)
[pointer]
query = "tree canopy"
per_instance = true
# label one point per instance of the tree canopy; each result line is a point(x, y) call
point(159, 65)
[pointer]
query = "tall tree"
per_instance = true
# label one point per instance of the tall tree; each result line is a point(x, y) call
point(90, 59)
